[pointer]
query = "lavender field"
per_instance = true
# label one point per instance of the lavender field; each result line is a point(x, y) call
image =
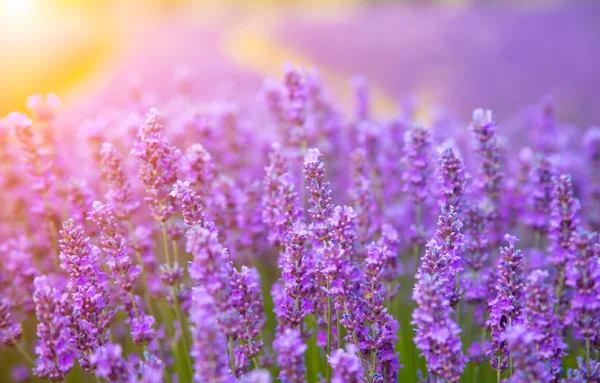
point(216, 215)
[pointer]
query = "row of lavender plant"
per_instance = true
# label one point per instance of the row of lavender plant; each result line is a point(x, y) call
point(347, 229)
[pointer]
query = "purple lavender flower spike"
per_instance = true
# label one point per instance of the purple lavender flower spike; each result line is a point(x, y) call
point(363, 198)
point(10, 332)
point(506, 308)
point(452, 176)
point(346, 365)
point(296, 103)
point(437, 334)
point(108, 363)
point(539, 195)
point(319, 193)
point(541, 321)
point(246, 299)
point(87, 289)
point(55, 352)
point(591, 142)
point(290, 350)
point(281, 205)
point(297, 277)
point(417, 142)
point(583, 276)
point(198, 169)
point(209, 343)
point(257, 376)
point(528, 362)
point(490, 180)
point(116, 251)
point(443, 255)
point(158, 166)
point(120, 193)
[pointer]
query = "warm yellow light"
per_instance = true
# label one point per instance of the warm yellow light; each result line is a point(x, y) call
point(16, 8)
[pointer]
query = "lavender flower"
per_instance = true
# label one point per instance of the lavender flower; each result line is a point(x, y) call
point(209, 343)
point(246, 299)
point(506, 308)
point(591, 142)
point(437, 334)
point(346, 366)
point(363, 198)
point(158, 166)
point(541, 322)
point(583, 275)
point(120, 193)
point(87, 290)
point(320, 194)
point(55, 352)
point(529, 364)
point(297, 277)
point(199, 169)
point(563, 222)
point(108, 363)
point(384, 327)
point(417, 142)
point(281, 205)
point(443, 255)
point(10, 332)
point(290, 356)
point(452, 176)
point(540, 194)
point(296, 103)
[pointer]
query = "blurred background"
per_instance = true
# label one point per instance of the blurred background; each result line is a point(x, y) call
point(461, 54)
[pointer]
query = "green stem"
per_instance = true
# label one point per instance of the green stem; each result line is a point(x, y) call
point(510, 357)
point(559, 288)
point(231, 357)
point(24, 353)
point(587, 356)
point(329, 335)
point(339, 330)
point(183, 332)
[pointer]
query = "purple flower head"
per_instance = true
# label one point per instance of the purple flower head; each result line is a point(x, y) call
point(257, 376)
point(583, 276)
point(54, 349)
point(477, 243)
point(116, 252)
point(540, 194)
point(290, 351)
point(363, 198)
point(484, 128)
point(198, 168)
point(443, 255)
point(541, 321)
point(158, 166)
point(527, 360)
point(506, 308)
point(591, 142)
point(452, 176)
point(209, 343)
point(281, 205)
point(417, 143)
point(108, 363)
point(296, 93)
point(87, 289)
point(10, 332)
point(247, 300)
point(120, 193)
point(563, 221)
point(437, 335)
point(190, 204)
point(319, 193)
point(346, 366)
point(298, 278)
